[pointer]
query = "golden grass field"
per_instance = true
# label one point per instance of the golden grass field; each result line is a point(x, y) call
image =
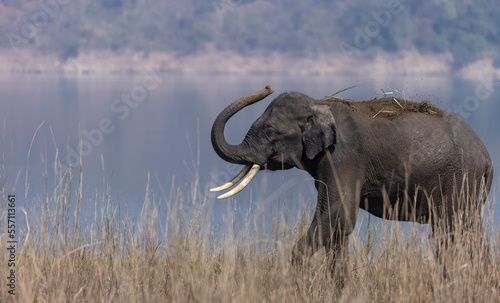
point(110, 258)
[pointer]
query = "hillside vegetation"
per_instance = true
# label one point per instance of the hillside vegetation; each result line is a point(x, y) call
point(466, 29)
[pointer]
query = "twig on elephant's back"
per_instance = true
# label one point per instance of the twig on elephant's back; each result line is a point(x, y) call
point(386, 93)
point(394, 99)
point(376, 114)
point(382, 111)
point(338, 92)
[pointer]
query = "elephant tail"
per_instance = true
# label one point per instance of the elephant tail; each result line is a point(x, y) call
point(488, 180)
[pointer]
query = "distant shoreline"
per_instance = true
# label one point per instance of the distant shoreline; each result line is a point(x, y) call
point(220, 63)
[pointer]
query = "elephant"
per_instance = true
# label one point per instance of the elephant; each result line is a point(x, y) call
point(396, 159)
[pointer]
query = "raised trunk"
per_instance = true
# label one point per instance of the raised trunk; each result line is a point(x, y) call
point(228, 152)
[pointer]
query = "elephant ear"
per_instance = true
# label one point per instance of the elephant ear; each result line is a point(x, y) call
point(319, 132)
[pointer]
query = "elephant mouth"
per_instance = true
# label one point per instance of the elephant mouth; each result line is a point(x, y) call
point(248, 173)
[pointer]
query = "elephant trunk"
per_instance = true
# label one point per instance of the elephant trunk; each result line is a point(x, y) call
point(228, 152)
point(235, 153)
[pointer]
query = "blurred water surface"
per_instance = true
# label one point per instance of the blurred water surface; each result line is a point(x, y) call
point(159, 124)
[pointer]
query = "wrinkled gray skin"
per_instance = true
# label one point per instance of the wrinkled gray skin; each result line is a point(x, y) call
point(356, 160)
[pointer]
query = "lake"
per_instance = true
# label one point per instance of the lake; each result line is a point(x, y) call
point(129, 127)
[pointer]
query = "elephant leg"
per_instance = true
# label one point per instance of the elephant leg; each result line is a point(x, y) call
point(442, 225)
point(457, 215)
point(337, 253)
point(307, 245)
point(456, 221)
point(341, 225)
point(335, 215)
point(336, 225)
point(472, 231)
point(467, 234)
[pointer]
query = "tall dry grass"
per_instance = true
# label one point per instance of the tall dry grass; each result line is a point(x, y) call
point(111, 258)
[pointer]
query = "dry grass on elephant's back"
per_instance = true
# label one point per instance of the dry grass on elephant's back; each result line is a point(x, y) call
point(111, 258)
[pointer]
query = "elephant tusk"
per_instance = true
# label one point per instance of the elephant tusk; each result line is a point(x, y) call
point(235, 180)
point(253, 171)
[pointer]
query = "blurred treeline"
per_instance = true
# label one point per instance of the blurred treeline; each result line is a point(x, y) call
point(465, 28)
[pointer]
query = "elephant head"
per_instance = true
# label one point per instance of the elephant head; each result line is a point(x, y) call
point(293, 130)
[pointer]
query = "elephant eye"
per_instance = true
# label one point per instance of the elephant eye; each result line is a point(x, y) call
point(310, 120)
point(307, 123)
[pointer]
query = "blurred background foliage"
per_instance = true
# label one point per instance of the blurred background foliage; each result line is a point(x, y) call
point(465, 28)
